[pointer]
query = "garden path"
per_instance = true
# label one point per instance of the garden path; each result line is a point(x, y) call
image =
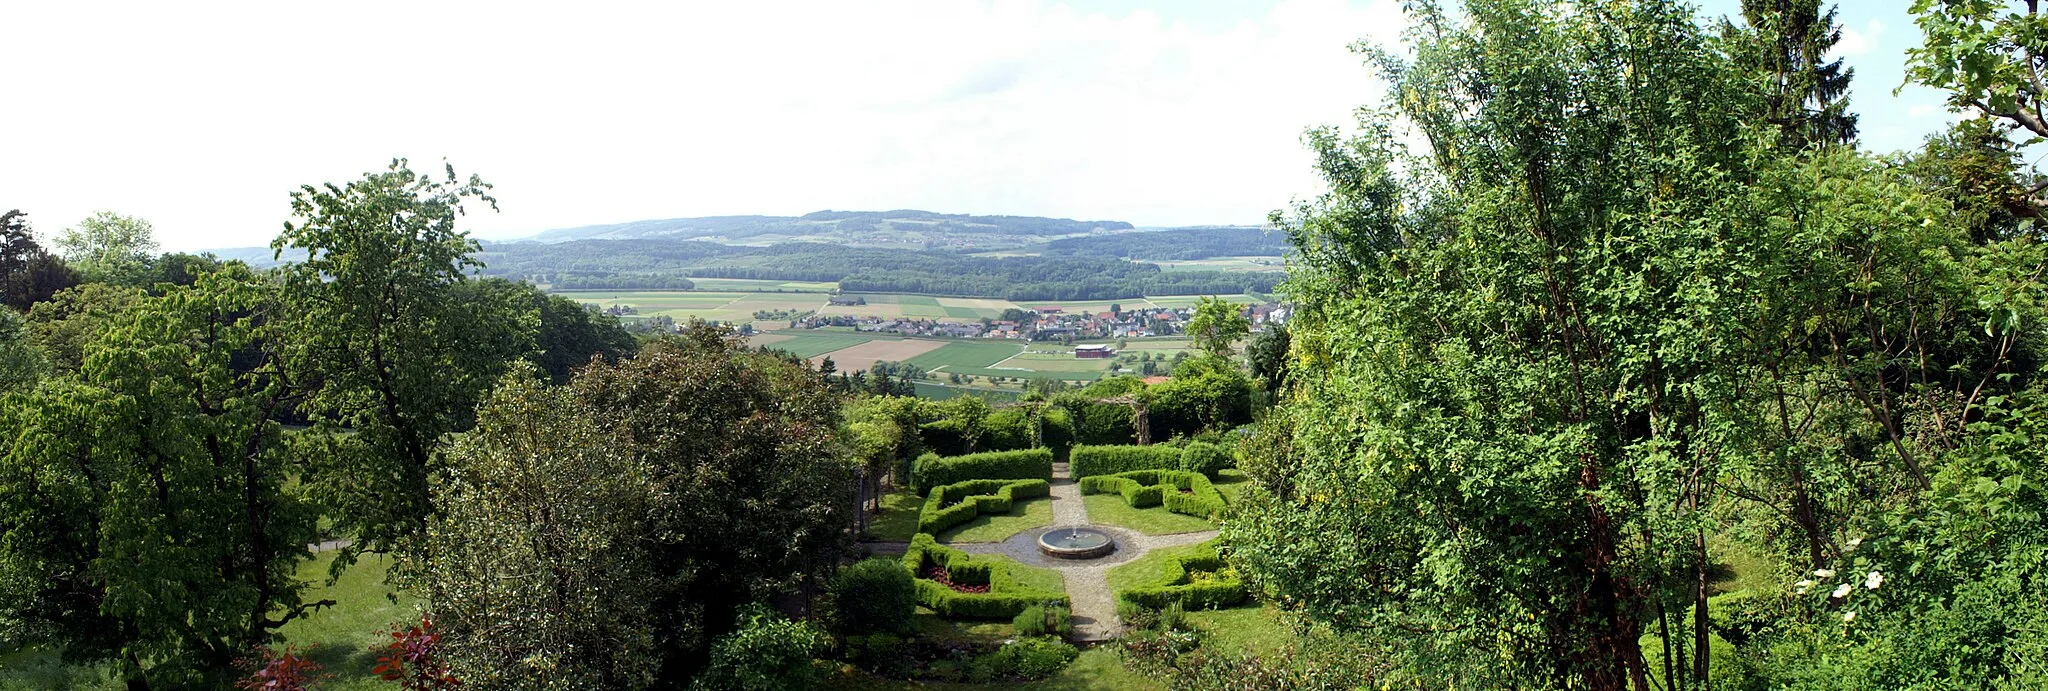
point(1087, 581)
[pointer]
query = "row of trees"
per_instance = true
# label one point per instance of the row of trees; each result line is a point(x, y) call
point(1637, 315)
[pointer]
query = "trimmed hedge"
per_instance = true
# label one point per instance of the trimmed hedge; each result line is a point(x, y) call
point(1086, 460)
point(1147, 488)
point(932, 470)
point(1205, 458)
point(1175, 585)
point(1005, 599)
point(960, 502)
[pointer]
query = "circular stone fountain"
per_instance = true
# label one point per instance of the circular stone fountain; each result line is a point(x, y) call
point(1075, 543)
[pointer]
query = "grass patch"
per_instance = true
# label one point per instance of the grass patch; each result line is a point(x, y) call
point(898, 520)
point(1230, 483)
point(340, 637)
point(1112, 510)
point(1023, 515)
point(811, 345)
point(1248, 630)
point(966, 354)
point(1145, 570)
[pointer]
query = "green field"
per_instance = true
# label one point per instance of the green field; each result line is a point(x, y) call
point(811, 345)
point(725, 306)
point(968, 354)
point(1224, 264)
point(766, 286)
point(940, 392)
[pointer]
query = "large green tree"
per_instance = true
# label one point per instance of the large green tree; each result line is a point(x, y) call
point(753, 490)
point(75, 317)
point(145, 510)
point(1217, 326)
point(108, 247)
point(393, 355)
point(535, 568)
point(1604, 321)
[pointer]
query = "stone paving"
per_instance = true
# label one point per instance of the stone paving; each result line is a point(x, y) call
point(1087, 580)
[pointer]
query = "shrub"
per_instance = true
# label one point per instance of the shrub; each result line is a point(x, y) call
point(960, 502)
point(1007, 430)
point(1146, 488)
point(1056, 432)
point(1044, 620)
point(874, 596)
point(1032, 658)
point(1177, 584)
point(933, 470)
point(1205, 458)
point(1006, 597)
point(1087, 460)
point(766, 654)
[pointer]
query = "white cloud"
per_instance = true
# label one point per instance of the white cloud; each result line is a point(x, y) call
point(1857, 43)
point(202, 120)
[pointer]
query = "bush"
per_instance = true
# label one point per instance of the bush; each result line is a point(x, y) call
point(1056, 432)
point(767, 654)
point(1006, 597)
point(1032, 658)
point(1095, 422)
point(1147, 488)
point(1044, 620)
point(933, 470)
point(1177, 584)
point(1008, 429)
point(874, 596)
point(960, 502)
point(1205, 458)
point(1089, 460)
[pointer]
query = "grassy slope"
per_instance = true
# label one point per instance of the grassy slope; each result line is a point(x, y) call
point(1112, 510)
point(1023, 515)
point(340, 637)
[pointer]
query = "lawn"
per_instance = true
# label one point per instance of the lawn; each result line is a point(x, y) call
point(809, 345)
point(1231, 483)
point(966, 354)
point(1023, 515)
point(898, 520)
point(1146, 570)
point(1250, 629)
point(340, 637)
point(1112, 510)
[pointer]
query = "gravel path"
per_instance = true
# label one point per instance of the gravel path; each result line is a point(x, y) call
point(1087, 581)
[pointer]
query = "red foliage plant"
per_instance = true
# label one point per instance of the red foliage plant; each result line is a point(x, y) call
point(414, 659)
point(281, 671)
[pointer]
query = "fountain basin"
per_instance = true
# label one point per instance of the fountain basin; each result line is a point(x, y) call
point(1075, 543)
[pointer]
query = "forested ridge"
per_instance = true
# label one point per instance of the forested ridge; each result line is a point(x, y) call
point(1177, 244)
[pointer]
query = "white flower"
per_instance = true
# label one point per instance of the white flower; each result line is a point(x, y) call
point(1803, 586)
point(1824, 573)
point(1854, 542)
point(1874, 580)
point(1848, 617)
point(1841, 591)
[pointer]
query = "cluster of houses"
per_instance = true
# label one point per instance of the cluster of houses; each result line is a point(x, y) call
point(1044, 323)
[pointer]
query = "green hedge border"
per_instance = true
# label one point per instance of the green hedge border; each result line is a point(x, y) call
point(960, 502)
point(1148, 488)
point(932, 470)
point(1174, 585)
point(1087, 460)
point(1004, 600)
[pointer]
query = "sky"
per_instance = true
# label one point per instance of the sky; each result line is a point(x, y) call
point(203, 117)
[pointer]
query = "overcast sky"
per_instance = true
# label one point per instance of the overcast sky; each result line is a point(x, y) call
point(202, 117)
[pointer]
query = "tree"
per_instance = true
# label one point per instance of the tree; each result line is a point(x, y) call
point(1988, 60)
point(107, 247)
point(393, 356)
point(22, 364)
point(145, 513)
point(28, 273)
point(767, 653)
point(754, 490)
point(1217, 326)
point(75, 317)
point(874, 596)
point(1267, 355)
point(532, 568)
point(1787, 42)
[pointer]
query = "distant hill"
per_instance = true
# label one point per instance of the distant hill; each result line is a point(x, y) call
point(1177, 244)
point(902, 227)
